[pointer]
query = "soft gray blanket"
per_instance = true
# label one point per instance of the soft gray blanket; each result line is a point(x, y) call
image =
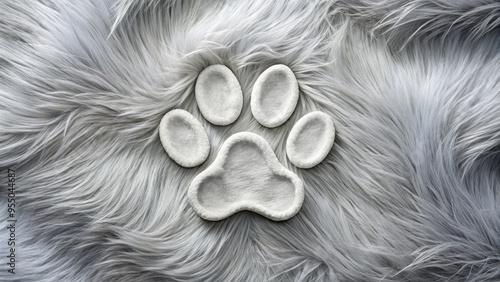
point(410, 190)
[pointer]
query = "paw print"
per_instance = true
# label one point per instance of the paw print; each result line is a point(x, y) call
point(246, 174)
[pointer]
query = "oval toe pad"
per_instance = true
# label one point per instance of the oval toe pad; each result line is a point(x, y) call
point(310, 140)
point(184, 138)
point(218, 95)
point(274, 96)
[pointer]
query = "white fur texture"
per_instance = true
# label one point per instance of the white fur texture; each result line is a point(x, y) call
point(310, 140)
point(408, 193)
point(246, 175)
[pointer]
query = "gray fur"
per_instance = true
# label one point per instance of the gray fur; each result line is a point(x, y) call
point(408, 193)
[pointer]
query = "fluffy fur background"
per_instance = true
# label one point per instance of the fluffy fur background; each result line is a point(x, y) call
point(410, 191)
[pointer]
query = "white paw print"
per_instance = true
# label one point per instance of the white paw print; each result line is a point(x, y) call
point(246, 174)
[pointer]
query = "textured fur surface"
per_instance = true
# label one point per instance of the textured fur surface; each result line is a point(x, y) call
point(410, 191)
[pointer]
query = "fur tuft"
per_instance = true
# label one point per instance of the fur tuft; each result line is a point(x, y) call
point(405, 21)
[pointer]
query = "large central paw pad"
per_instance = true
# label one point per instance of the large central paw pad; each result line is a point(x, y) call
point(246, 175)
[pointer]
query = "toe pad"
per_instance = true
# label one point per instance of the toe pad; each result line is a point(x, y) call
point(184, 138)
point(218, 95)
point(274, 96)
point(310, 140)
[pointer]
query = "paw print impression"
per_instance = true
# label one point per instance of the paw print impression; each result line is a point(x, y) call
point(246, 174)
